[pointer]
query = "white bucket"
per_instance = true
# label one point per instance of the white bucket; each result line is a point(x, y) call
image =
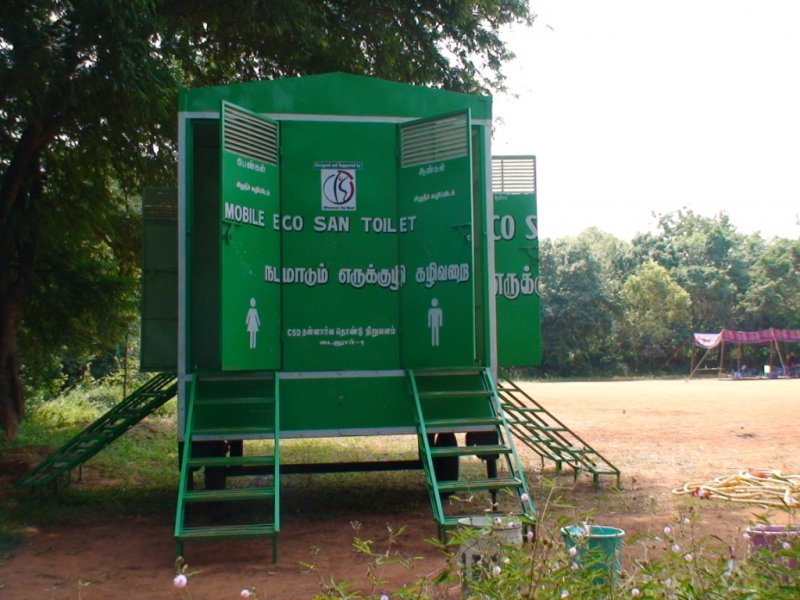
point(485, 542)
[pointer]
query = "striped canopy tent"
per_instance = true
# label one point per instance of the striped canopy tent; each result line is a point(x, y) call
point(765, 337)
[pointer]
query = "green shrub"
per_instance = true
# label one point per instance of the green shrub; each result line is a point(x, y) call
point(676, 564)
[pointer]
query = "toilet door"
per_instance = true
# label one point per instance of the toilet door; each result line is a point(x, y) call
point(437, 307)
point(250, 245)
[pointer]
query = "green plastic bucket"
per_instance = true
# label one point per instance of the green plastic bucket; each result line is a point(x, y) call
point(598, 548)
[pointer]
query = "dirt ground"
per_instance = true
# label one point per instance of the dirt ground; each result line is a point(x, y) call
point(661, 434)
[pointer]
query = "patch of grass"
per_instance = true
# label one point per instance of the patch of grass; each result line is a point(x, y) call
point(147, 455)
point(78, 504)
point(82, 404)
point(330, 494)
point(136, 475)
point(349, 449)
point(129, 480)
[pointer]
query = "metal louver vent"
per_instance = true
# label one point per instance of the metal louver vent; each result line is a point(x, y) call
point(247, 135)
point(431, 141)
point(160, 204)
point(514, 174)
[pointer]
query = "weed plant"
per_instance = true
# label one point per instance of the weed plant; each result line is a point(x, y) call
point(677, 563)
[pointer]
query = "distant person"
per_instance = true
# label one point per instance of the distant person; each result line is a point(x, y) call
point(791, 364)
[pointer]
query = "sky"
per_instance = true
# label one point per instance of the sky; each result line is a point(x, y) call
point(636, 107)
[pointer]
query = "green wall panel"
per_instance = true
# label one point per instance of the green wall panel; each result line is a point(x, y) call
point(516, 284)
point(159, 349)
point(340, 276)
point(346, 403)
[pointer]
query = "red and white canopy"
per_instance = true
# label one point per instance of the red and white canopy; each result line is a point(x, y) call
point(764, 336)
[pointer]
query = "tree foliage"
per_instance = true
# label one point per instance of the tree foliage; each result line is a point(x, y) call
point(773, 297)
point(706, 257)
point(624, 307)
point(578, 308)
point(87, 100)
point(656, 314)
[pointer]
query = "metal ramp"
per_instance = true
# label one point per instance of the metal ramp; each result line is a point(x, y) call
point(547, 436)
point(102, 432)
point(442, 398)
point(256, 504)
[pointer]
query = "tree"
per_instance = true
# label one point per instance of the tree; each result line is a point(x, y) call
point(87, 99)
point(614, 256)
point(708, 258)
point(656, 313)
point(773, 298)
point(578, 310)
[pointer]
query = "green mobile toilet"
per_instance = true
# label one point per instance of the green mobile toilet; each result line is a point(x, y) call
point(343, 256)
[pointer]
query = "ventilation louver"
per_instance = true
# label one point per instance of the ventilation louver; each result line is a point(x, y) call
point(514, 174)
point(160, 204)
point(249, 136)
point(433, 141)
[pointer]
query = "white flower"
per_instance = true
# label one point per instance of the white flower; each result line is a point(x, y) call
point(384, 596)
point(497, 570)
point(688, 557)
point(524, 497)
point(685, 520)
point(575, 566)
point(667, 531)
point(180, 581)
point(786, 546)
point(676, 548)
point(746, 535)
point(635, 592)
point(573, 551)
point(245, 593)
point(529, 535)
point(565, 593)
point(506, 560)
point(498, 521)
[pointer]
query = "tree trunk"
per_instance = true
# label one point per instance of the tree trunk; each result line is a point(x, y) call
point(18, 245)
point(16, 277)
point(12, 400)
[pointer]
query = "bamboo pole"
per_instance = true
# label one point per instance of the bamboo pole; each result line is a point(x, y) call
point(702, 360)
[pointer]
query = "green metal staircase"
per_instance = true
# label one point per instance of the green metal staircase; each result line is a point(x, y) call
point(257, 503)
point(101, 433)
point(548, 437)
point(451, 401)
